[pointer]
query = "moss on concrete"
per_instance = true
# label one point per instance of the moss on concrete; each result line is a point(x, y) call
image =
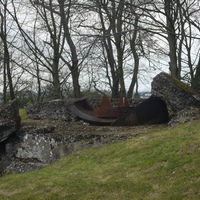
point(182, 85)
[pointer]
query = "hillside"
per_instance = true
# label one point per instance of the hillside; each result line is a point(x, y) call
point(163, 164)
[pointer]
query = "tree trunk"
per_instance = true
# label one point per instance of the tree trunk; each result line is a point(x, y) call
point(74, 66)
point(38, 84)
point(136, 60)
point(6, 58)
point(117, 30)
point(170, 20)
point(7, 64)
point(121, 72)
point(56, 82)
point(75, 79)
point(196, 79)
point(134, 79)
point(4, 84)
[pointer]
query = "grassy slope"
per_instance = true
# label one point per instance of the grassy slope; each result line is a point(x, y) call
point(164, 164)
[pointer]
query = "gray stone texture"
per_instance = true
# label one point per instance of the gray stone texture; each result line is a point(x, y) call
point(55, 110)
point(36, 147)
point(176, 94)
point(10, 120)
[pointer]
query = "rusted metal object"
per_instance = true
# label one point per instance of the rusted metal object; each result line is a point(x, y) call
point(105, 114)
point(150, 111)
point(105, 110)
point(83, 110)
point(123, 102)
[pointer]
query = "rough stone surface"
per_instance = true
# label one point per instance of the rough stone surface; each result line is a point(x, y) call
point(55, 110)
point(185, 115)
point(9, 119)
point(34, 147)
point(176, 94)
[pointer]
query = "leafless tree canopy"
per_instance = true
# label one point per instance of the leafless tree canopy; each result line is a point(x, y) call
point(70, 48)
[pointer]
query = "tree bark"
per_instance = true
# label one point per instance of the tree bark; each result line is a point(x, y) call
point(136, 60)
point(7, 65)
point(170, 20)
point(74, 66)
point(196, 79)
point(6, 58)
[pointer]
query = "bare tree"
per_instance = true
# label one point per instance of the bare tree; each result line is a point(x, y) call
point(121, 34)
point(48, 54)
point(56, 42)
point(6, 55)
point(65, 14)
point(110, 28)
point(172, 21)
point(118, 29)
point(171, 13)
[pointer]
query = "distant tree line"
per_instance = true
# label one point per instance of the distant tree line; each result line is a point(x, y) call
point(71, 48)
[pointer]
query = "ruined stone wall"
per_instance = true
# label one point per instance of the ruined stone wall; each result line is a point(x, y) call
point(57, 109)
point(36, 147)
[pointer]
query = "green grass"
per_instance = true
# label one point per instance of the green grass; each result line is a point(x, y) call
point(163, 165)
point(22, 113)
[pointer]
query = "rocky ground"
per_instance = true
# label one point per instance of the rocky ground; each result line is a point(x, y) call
point(40, 142)
point(81, 127)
